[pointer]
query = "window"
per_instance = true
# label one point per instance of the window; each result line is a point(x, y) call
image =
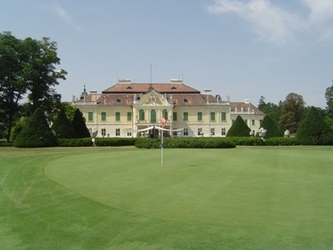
point(199, 115)
point(245, 121)
point(233, 120)
point(117, 131)
point(90, 116)
point(223, 116)
point(165, 114)
point(185, 131)
point(103, 116)
point(117, 116)
point(103, 132)
point(185, 116)
point(185, 100)
point(153, 116)
point(260, 122)
point(118, 100)
point(253, 122)
point(174, 133)
point(200, 131)
point(141, 115)
point(223, 131)
point(212, 116)
point(212, 131)
point(174, 116)
point(129, 134)
point(129, 116)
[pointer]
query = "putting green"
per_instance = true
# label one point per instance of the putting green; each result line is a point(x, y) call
point(284, 189)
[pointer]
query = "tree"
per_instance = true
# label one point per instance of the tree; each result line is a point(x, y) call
point(79, 125)
point(314, 130)
point(239, 128)
point(62, 126)
point(41, 74)
point(271, 127)
point(27, 66)
point(329, 108)
point(12, 84)
point(292, 112)
point(36, 133)
point(270, 109)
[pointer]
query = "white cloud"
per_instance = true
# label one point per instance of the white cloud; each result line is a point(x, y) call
point(65, 17)
point(276, 24)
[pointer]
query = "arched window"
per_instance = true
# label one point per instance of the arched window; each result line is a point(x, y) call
point(141, 115)
point(153, 116)
point(165, 114)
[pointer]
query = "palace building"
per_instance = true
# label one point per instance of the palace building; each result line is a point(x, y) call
point(136, 109)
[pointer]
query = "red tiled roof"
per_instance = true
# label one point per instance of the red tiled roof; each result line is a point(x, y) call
point(145, 87)
point(245, 106)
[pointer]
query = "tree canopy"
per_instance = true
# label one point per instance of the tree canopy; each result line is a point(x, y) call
point(292, 112)
point(27, 66)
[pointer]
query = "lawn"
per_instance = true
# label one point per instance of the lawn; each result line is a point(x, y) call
point(122, 198)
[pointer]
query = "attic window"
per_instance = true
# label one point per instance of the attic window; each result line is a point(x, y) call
point(173, 88)
point(185, 100)
point(129, 87)
point(118, 100)
point(138, 98)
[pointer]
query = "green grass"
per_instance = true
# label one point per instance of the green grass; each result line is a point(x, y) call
point(121, 198)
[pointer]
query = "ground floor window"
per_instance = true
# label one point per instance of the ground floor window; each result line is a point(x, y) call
point(223, 131)
point(129, 134)
point(212, 131)
point(103, 132)
point(174, 133)
point(117, 131)
point(185, 131)
point(200, 131)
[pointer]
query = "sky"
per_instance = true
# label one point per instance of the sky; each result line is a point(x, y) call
point(244, 49)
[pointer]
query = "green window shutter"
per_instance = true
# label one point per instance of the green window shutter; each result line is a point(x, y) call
point(153, 116)
point(90, 116)
point(253, 122)
point(103, 116)
point(199, 116)
point(141, 115)
point(117, 116)
point(185, 116)
point(223, 116)
point(212, 116)
point(174, 116)
point(129, 116)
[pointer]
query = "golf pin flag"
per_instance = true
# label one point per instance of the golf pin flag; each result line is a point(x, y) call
point(163, 121)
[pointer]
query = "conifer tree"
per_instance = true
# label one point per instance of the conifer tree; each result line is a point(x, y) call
point(36, 132)
point(62, 126)
point(314, 130)
point(239, 128)
point(79, 125)
point(271, 127)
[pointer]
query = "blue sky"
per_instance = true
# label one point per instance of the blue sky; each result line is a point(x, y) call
point(244, 49)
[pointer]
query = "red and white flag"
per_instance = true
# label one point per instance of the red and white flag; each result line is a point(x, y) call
point(163, 121)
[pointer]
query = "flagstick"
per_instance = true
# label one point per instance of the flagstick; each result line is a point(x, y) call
point(162, 149)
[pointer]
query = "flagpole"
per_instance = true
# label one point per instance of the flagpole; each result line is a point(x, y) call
point(162, 148)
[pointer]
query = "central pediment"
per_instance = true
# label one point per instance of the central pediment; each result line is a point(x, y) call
point(152, 98)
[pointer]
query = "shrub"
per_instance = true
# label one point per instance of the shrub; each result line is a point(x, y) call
point(75, 142)
point(36, 133)
point(115, 142)
point(314, 130)
point(239, 128)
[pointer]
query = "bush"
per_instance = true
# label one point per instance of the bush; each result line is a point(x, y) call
point(115, 142)
point(75, 142)
point(239, 128)
point(185, 143)
point(79, 125)
point(36, 133)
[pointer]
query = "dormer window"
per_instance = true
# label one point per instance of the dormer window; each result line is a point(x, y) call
point(173, 88)
point(129, 87)
point(185, 100)
point(118, 101)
